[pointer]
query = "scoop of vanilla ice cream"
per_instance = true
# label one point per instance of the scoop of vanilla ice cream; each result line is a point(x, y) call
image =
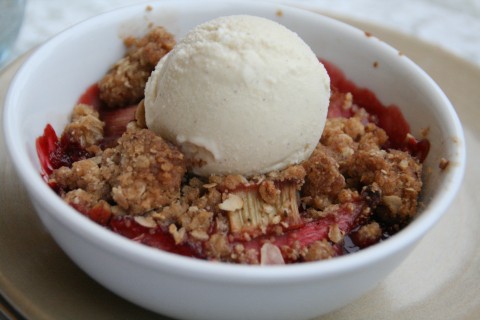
point(239, 95)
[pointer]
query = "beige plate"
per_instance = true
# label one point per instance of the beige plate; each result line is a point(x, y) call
point(439, 280)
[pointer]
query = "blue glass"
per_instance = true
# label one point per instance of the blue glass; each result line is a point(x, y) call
point(11, 17)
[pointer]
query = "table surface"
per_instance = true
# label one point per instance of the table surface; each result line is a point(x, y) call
point(453, 25)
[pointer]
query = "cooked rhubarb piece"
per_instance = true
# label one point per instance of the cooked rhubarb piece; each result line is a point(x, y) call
point(263, 204)
point(294, 244)
point(250, 215)
point(116, 121)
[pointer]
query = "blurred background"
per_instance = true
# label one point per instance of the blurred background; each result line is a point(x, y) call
point(453, 25)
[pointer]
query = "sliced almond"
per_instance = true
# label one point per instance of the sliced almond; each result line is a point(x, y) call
point(232, 203)
point(270, 254)
point(335, 234)
point(209, 185)
point(140, 115)
point(147, 222)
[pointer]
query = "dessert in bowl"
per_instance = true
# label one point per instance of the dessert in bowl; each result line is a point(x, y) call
point(174, 285)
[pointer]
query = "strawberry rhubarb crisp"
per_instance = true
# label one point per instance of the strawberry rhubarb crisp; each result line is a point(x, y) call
point(360, 185)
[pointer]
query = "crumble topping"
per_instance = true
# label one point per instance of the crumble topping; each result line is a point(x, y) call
point(352, 186)
point(124, 83)
point(141, 173)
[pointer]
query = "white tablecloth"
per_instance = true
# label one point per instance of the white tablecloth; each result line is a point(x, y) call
point(451, 24)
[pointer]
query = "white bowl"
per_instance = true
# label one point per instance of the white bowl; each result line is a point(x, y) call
point(49, 83)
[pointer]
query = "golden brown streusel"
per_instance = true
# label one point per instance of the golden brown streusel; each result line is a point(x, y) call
point(85, 175)
point(124, 84)
point(323, 176)
point(396, 175)
point(145, 172)
point(369, 233)
point(351, 186)
point(319, 250)
point(85, 128)
point(443, 164)
point(81, 199)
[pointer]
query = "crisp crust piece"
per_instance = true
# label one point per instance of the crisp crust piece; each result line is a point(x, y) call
point(323, 176)
point(85, 175)
point(145, 172)
point(350, 156)
point(124, 84)
point(397, 175)
point(368, 234)
point(85, 128)
point(319, 250)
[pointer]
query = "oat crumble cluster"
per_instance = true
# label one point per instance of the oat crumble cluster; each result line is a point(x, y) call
point(351, 186)
point(125, 82)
